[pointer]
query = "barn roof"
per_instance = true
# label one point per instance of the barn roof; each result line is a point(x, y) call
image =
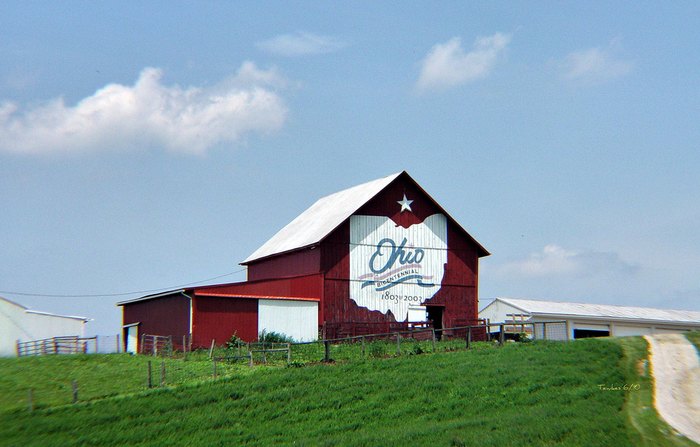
point(321, 218)
point(327, 214)
point(600, 311)
point(37, 312)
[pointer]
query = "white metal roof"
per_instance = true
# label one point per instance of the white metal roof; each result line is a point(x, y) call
point(324, 216)
point(49, 314)
point(556, 308)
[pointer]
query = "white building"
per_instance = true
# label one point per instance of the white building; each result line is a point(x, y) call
point(591, 320)
point(20, 323)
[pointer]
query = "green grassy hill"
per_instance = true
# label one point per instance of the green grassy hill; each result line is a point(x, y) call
point(542, 393)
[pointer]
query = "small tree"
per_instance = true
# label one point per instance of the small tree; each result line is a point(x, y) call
point(233, 342)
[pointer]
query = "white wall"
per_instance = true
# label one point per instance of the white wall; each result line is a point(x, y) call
point(18, 323)
point(620, 330)
point(496, 312)
point(298, 319)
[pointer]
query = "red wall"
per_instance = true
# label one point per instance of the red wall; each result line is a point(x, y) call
point(218, 318)
point(304, 262)
point(167, 315)
point(308, 286)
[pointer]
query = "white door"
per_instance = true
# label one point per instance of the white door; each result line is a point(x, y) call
point(132, 339)
point(297, 319)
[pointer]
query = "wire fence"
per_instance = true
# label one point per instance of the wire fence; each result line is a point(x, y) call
point(407, 342)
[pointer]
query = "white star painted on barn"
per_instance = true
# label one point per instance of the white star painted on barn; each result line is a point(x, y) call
point(405, 204)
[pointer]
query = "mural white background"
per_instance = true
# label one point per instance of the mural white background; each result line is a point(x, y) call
point(391, 267)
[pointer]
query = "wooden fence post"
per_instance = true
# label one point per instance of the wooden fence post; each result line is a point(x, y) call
point(501, 335)
point(433, 332)
point(75, 391)
point(162, 373)
point(289, 353)
point(326, 351)
point(398, 344)
point(211, 350)
point(469, 336)
point(150, 382)
point(363, 346)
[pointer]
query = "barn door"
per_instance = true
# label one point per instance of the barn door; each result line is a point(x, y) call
point(435, 316)
point(131, 338)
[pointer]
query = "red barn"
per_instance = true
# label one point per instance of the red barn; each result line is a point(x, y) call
point(374, 257)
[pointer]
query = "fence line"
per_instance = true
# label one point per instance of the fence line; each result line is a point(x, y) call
point(496, 332)
point(71, 344)
point(55, 345)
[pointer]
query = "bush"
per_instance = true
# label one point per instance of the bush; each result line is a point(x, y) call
point(522, 337)
point(233, 342)
point(274, 337)
point(377, 350)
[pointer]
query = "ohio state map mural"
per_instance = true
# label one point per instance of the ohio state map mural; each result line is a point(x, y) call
point(391, 267)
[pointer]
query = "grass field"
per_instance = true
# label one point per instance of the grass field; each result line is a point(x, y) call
point(694, 338)
point(521, 394)
point(97, 376)
point(534, 394)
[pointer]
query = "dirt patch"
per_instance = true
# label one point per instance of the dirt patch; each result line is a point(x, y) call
point(675, 368)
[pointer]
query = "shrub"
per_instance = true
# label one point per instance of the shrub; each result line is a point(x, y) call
point(522, 337)
point(377, 350)
point(274, 337)
point(233, 342)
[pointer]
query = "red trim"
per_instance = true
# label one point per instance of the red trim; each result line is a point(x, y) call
point(258, 297)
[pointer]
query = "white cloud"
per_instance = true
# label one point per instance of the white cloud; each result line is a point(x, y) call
point(595, 64)
point(149, 114)
point(300, 44)
point(554, 260)
point(448, 65)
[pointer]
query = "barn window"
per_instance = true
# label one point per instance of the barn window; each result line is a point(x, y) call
point(589, 333)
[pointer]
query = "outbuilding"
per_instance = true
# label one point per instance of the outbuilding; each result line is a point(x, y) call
point(582, 320)
point(375, 257)
point(21, 324)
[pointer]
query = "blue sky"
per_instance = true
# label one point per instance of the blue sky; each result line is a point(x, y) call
point(148, 145)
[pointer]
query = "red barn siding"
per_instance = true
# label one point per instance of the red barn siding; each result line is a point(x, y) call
point(308, 286)
point(218, 318)
point(303, 262)
point(167, 315)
